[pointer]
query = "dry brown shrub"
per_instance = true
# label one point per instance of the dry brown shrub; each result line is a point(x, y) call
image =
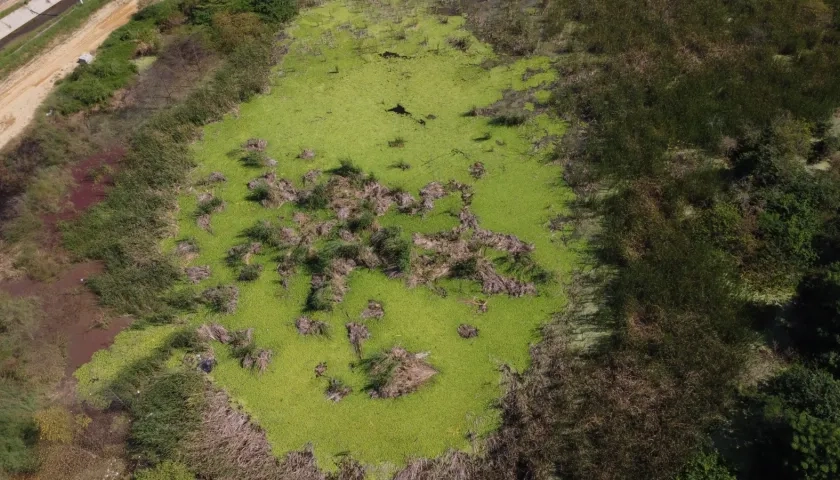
point(308, 326)
point(398, 373)
point(228, 446)
point(357, 334)
point(451, 466)
point(373, 310)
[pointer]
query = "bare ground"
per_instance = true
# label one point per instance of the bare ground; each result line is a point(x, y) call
point(24, 91)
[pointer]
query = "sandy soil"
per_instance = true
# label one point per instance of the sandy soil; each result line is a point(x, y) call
point(26, 89)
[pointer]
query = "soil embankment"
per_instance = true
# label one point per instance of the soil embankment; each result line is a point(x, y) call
point(24, 91)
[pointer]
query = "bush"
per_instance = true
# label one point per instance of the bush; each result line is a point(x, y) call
point(18, 430)
point(815, 326)
point(232, 29)
point(165, 413)
point(274, 11)
point(792, 426)
point(250, 273)
point(318, 199)
point(320, 299)
point(395, 250)
point(158, 13)
point(209, 206)
point(361, 222)
point(705, 466)
point(167, 470)
point(254, 159)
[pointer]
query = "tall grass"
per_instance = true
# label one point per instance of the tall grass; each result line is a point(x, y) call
point(123, 231)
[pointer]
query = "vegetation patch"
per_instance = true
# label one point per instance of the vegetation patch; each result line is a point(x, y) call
point(358, 257)
point(334, 256)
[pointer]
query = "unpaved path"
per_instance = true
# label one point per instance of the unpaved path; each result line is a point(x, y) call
point(26, 88)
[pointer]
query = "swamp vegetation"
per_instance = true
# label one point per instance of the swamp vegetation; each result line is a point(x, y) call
point(460, 239)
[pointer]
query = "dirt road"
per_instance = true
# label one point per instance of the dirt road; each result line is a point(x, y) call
point(25, 89)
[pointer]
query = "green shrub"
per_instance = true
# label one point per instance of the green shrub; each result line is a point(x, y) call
point(167, 470)
point(705, 466)
point(318, 199)
point(263, 231)
point(815, 326)
point(274, 11)
point(18, 431)
point(158, 12)
point(165, 413)
point(184, 299)
point(209, 206)
point(250, 273)
point(792, 429)
point(254, 158)
point(320, 299)
point(362, 221)
point(395, 250)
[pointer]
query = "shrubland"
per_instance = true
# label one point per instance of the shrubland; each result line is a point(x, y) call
point(704, 139)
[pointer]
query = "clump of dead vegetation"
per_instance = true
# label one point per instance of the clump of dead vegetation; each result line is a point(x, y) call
point(477, 170)
point(214, 332)
point(467, 331)
point(458, 253)
point(241, 254)
point(357, 199)
point(272, 192)
point(337, 390)
point(186, 248)
point(255, 144)
point(197, 274)
point(308, 326)
point(357, 333)
point(227, 445)
point(222, 299)
point(257, 358)
point(397, 372)
point(374, 310)
point(216, 177)
point(241, 343)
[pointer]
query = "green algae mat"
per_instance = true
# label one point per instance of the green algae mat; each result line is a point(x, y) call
point(410, 99)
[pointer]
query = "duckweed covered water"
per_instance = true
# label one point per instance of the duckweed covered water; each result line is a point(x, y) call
point(331, 94)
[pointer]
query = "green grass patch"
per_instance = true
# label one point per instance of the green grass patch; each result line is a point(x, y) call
point(113, 68)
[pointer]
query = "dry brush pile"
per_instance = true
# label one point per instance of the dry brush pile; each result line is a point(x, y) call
point(352, 237)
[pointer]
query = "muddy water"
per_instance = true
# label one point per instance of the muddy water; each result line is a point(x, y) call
point(72, 312)
point(92, 178)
